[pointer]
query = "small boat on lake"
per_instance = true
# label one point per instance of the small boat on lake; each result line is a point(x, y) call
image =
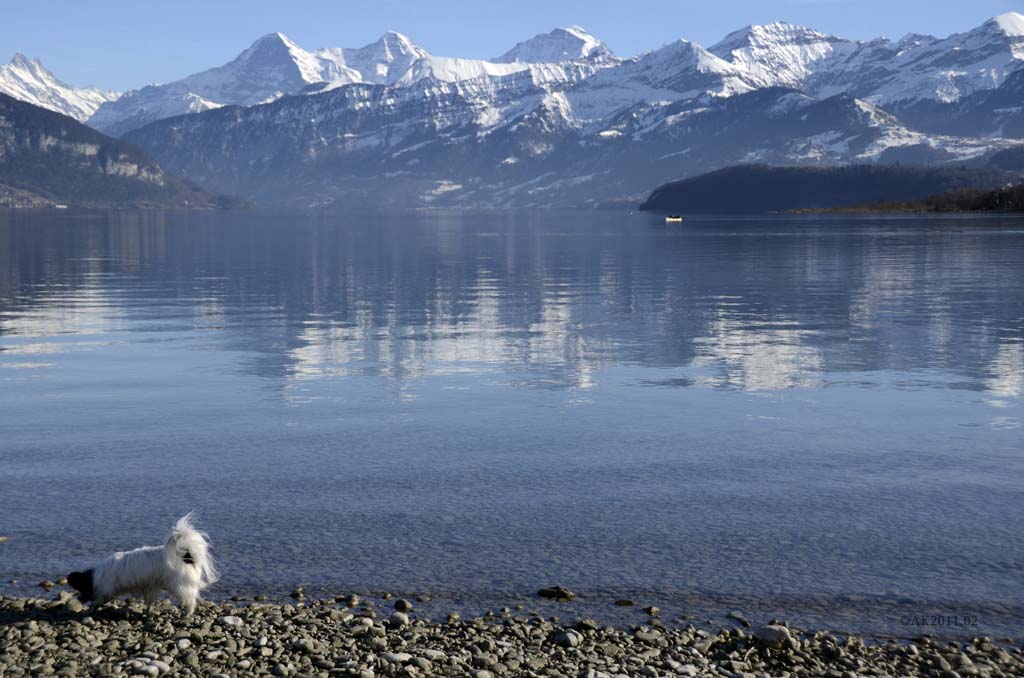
point(673, 219)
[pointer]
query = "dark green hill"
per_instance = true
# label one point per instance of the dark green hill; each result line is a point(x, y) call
point(47, 158)
point(761, 188)
point(1006, 199)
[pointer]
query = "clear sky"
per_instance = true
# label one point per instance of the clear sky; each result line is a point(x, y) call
point(121, 44)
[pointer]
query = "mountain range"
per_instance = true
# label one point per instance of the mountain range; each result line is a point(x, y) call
point(274, 66)
point(559, 120)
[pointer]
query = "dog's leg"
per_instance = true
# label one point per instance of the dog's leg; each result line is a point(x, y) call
point(150, 597)
point(188, 597)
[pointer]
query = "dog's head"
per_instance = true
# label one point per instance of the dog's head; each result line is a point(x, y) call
point(82, 582)
point(187, 552)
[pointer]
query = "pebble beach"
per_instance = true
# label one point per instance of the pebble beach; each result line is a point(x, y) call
point(364, 638)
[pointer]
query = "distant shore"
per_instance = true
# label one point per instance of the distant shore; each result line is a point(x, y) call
point(1008, 200)
point(901, 209)
point(350, 636)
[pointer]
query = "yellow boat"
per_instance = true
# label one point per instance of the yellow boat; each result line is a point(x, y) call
point(673, 219)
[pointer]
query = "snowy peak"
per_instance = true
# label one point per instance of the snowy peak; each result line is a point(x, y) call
point(19, 60)
point(1008, 28)
point(775, 34)
point(271, 67)
point(683, 54)
point(394, 45)
point(268, 69)
point(272, 48)
point(1011, 24)
point(947, 69)
point(995, 35)
point(558, 46)
point(268, 42)
point(687, 62)
point(571, 61)
point(780, 53)
point(391, 50)
point(28, 80)
point(918, 67)
point(272, 56)
point(382, 62)
point(678, 71)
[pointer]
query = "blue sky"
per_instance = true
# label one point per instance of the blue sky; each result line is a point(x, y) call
point(121, 44)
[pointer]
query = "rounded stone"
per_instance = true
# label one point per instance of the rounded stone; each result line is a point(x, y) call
point(559, 593)
point(738, 616)
point(305, 645)
point(772, 635)
point(568, 638)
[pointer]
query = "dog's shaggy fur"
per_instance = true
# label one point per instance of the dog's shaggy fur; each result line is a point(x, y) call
point(183, 567)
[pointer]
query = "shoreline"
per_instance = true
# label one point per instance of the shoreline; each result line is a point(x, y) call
point(854, 210)
point(366, 637)
point(897, 616)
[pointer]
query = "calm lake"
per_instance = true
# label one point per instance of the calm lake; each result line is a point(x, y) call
point(818, 418)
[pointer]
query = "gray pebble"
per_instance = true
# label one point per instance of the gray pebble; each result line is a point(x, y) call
point(568, 639)
point(323, 640)
point(772, 635)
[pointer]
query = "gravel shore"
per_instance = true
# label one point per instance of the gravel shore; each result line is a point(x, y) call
point(351, 637)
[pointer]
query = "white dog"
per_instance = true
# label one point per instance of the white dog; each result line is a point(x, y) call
point(183, 567)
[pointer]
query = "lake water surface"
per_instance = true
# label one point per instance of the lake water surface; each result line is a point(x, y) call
point(819, 418)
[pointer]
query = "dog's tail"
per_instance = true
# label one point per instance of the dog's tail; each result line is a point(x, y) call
point(189, 546)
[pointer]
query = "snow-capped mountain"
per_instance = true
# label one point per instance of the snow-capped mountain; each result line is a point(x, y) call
point(383, 62)
point(678, 71)
point(923, 68)
point(271, 67)
point(561, 44)
point(461, 144)
point(915, 68)
point(949, 69)
point(274, 66)
point(28, 80)
point(989, 113)
point(560, 120)
point(781, 54)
